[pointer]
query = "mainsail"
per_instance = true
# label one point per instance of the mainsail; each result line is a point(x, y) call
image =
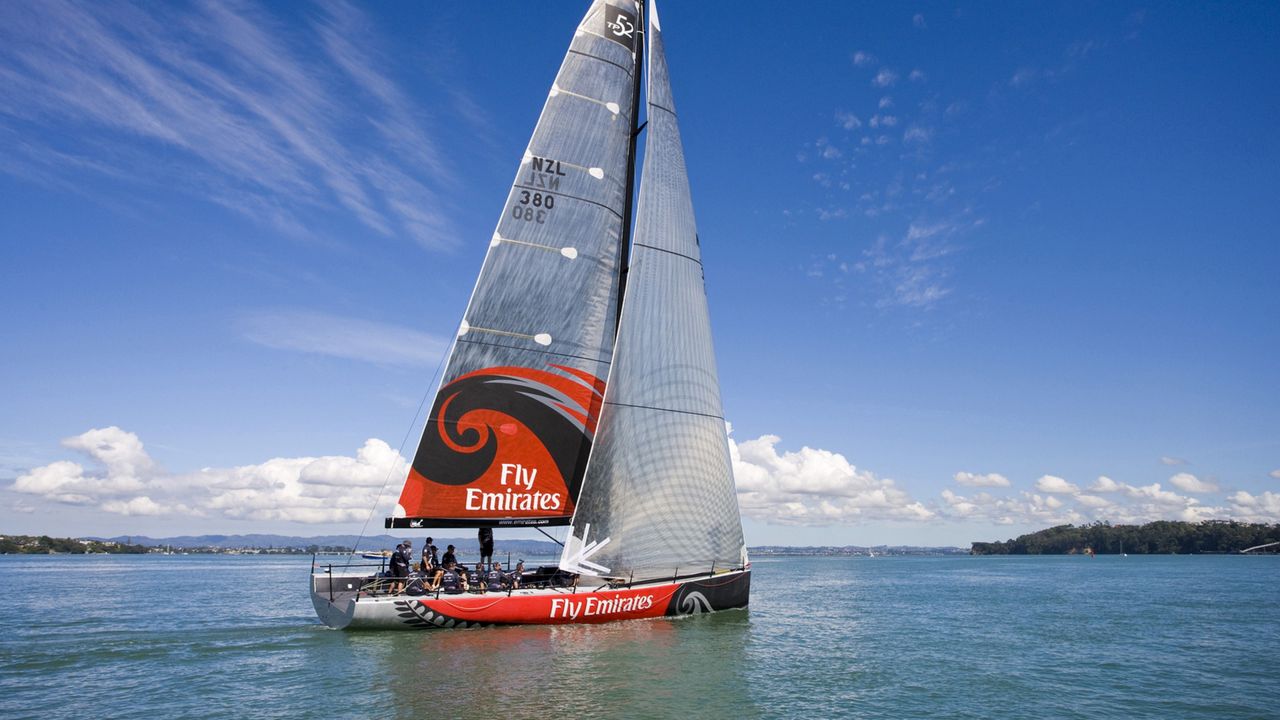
point(658, 499)
point(509, 433)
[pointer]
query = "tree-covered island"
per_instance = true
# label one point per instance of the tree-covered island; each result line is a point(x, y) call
point(1162, 537)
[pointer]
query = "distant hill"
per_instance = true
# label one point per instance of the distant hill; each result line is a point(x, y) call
point(852, 550)
point(1162, 537)
point(465, 546)
point(468, 547)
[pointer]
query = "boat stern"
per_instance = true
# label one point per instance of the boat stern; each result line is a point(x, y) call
point(334, 598)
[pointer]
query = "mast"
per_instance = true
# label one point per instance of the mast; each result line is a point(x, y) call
point(624, 259)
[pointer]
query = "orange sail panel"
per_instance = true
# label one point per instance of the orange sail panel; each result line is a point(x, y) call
point(504, 445)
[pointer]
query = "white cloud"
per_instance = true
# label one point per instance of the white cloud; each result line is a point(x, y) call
point(126, 465)
point(912, 272)
point(301, 489)
point(343, 337)
point(813, 487)
point(885, 78)
point(1154, 494)
point(1106, 485)
point(1166, 460)
point(1064, 502)
point(1256, 508)
point(1093, 501)
point(917, 134)
point(886, 102)
point(848, 120)
point(988, 480)
point(862, 59)
point(917, 75)
point(1022, 509)
point(1054, 484)
point(1275, 473)
point(918, 21)
point(1187, 482)
point(63, 481)
point(141, 505)
point(827, 150)
point(1023, 77)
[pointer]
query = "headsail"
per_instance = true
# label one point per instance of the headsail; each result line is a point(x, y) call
point(658, 498)
point(508, 435)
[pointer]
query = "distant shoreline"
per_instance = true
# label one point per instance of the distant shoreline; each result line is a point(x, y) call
point(1212, 537)
point(1162, 537)
point(286, 545)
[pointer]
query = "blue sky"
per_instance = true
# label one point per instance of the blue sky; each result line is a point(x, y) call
point(974, 269)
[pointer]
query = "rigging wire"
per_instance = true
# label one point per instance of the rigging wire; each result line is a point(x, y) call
point(400, 451)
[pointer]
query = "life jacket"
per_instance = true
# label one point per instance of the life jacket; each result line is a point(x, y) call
point(450, 582)
point(494, 579)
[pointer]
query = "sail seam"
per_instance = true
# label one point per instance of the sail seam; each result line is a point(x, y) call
point(653, 104)
point(538, 350)
point(544, 191)
point(650, 407)
point(620, 66)
point(670, 252)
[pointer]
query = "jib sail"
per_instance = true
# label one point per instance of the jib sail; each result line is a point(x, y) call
point(658, 499)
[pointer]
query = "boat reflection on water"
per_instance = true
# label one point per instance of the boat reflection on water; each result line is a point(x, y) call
point(632, 668)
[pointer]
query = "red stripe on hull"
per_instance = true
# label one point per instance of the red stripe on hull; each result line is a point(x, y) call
point(581, 607)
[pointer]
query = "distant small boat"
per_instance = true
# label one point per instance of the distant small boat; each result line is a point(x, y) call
point(376, 555)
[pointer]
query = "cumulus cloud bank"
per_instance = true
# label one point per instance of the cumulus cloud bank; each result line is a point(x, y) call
point(808, 486)
point(1054, 501)
point(813, 487)
point(126, 481)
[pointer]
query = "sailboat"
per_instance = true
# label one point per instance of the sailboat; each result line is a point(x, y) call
point(581, 389)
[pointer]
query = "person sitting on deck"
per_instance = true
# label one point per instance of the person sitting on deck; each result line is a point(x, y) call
point(475, 578)
point(495, 580)
point(452, 581)
point(515, 576)
point(449, 556)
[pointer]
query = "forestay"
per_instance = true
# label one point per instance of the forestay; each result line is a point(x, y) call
point(658, 498)
point(510, 429)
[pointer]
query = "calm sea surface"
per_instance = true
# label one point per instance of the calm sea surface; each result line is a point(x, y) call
point(1052, 637)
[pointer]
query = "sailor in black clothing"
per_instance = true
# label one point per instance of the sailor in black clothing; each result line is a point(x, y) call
point(475, 578)
point(429, 561)
point(486, 545)
point(449, 556)
point(495, 580)
point(452, 581)
point(400, 565)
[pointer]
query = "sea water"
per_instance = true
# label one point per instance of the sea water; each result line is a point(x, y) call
point(889, 637)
